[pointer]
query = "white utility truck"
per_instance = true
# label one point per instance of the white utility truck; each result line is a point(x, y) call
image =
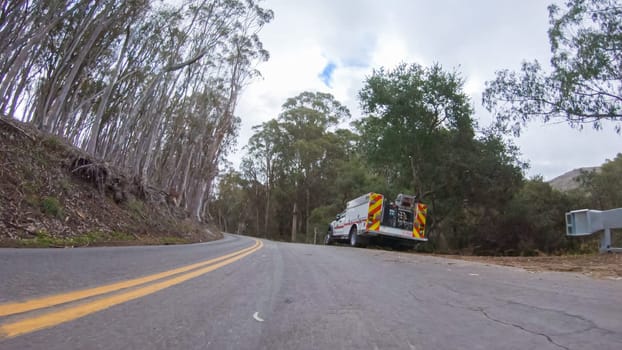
point(372, 215)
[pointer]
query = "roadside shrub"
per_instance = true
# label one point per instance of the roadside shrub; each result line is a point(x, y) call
point(51, 206)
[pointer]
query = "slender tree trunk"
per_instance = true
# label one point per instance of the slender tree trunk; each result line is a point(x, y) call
point(103, 105)
point(267, 214)
point(308, 195)
point(257, 216)
point(294, 221)
point(59, 101)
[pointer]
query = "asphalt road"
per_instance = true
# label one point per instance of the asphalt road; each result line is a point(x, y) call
point(292, 296)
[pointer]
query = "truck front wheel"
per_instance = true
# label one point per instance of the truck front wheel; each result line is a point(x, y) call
point(354, 240)
point(328, 240)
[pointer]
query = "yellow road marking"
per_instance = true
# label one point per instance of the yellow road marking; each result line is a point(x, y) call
point(51, 319)
point(19, 307)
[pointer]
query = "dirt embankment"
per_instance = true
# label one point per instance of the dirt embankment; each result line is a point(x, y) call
point(607, 266)
point(53, 194)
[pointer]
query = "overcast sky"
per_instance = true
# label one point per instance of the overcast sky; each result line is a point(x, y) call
point(331, 46)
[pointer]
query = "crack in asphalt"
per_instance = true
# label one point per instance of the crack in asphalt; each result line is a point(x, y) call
point(481, 310)
point(591, 325)
point(415, 296)
point(548, 338)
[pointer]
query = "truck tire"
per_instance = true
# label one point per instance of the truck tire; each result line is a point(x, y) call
point(356, 240)
point(328, 240)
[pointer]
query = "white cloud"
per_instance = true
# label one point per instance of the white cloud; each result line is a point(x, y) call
point(475, 37)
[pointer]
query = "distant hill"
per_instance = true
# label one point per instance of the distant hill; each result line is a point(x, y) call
point(567, 181)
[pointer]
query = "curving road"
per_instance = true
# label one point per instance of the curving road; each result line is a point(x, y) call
point(239, 293)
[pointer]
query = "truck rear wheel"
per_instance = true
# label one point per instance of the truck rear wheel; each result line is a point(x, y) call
point(356, 240)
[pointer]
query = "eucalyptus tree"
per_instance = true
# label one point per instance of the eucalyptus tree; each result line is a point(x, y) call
point(585, 84)
point(307, 121)
point(262, 156)
point(295, 158)
point(150, 87)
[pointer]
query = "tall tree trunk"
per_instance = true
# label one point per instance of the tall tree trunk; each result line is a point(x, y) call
point(59, 101)
point(257, 216)
point(294, 221)
point(308, 195)
point(103, 105)
point(267, 214)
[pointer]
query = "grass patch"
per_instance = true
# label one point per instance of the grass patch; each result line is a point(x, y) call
point(121, 236)
point(33, 200)
point(172, 240)
point(31, 187)
point(137, 208)
point(40, 158)
point(53, 143)
point(103, 236)
point(51, 206)
point(65, 185)
point(43, 239)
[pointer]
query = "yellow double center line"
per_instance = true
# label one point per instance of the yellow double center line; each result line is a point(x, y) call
point(53, 318)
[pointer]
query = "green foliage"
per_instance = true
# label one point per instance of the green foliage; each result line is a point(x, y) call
point(415, 113)
point(534, 218)
point(420, 137)
point(172, 240)
point(293, 160)
point(45, 239)
point(173, 70)
point(321, 217)
point(137, 207)
point(65, 185)
point(355, 179)
point(121, 236)
point(33, 200)
point(232, 201)
point(52, 206)
point(53, 143)
point(603, 189)
point(585, 85)
point(31, 187)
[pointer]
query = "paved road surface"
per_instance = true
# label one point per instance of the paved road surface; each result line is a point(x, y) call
point(290, 296)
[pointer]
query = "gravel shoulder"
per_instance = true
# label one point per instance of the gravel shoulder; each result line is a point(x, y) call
point(606, 266)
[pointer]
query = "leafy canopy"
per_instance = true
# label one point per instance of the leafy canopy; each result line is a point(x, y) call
point(585, 85)
point(414, 113)
point(420, 137)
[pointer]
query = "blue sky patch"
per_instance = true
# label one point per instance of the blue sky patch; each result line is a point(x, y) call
point(327, 74)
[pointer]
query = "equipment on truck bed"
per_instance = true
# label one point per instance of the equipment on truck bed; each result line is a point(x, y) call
point(372, 215)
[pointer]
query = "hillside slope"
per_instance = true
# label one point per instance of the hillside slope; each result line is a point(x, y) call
point(53, 194)
point(567, 181)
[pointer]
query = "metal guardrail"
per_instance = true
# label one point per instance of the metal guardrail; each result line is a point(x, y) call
point(586, 222)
